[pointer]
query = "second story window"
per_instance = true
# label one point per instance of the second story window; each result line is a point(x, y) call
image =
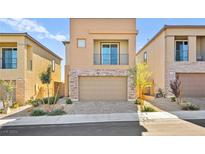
point(145, 57)
point(9, 58)
point(81, 43)
point(181, 50)
point(110, 54)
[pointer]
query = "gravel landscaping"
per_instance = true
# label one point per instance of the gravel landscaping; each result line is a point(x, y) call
point(88, 107)
point(165, 104)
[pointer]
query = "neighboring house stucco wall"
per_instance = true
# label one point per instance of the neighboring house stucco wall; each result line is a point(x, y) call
point(27, 81)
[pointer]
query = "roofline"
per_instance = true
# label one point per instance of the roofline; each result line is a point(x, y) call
point(166, 27)
point(34, 40)
point(66, 42)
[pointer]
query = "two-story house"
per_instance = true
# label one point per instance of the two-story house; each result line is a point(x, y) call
point(98, 56)
point(177, 50)
point(22, 60)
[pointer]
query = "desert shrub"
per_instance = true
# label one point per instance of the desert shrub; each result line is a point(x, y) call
point(15, 105)
point(139, 101)
point(148, 109)
point(56, 112)
point(52, 100)
point(69, 101)
point(191, 107)
point(38, 112)
point(173, 99)
point(35, 102)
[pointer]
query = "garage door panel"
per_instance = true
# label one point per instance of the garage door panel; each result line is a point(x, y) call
point(193, 84)
point(103, 88)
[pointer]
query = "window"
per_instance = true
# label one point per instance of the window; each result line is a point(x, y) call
point(53, 65)
point(110, 54)
point(145, 57)
point(9, 58)
point(81, 43)
point(181, 50)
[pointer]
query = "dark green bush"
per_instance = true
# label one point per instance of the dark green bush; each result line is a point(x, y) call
point(35, 102)
point(173, 99)
point(191, 107)
point(148, 109)
point(15, 105)
point(38, 112)
point(69, 101)
point(1, 111)
point(56, 112)
point(52, 99)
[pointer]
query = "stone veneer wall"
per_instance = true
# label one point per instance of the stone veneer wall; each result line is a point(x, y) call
point(182, 67)
point(75, 73)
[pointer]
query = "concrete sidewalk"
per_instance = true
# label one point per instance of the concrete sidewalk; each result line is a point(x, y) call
point(70, 119)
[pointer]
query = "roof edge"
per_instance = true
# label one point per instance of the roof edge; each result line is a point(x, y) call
point(34, 40)
point(166, 27)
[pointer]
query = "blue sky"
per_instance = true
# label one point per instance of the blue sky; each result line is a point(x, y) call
point(51, 31)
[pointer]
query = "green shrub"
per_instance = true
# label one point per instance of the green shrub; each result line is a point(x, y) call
point(138, 101)
point(148, 109)
point(1, 111)
point(191, 107)
point(38, 112)
point(52, 99)
point(35, 102)
point(69, 101)
point(173, 99)
point(56, 112)
point(15, 105)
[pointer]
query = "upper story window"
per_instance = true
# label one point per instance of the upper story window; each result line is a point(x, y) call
point(181, 50)
point(9, 58)
point(81, 43)
point(145, 57)
point(110, 53)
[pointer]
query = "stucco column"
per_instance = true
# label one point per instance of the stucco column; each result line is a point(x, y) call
point(192, 48)
point(20, 91)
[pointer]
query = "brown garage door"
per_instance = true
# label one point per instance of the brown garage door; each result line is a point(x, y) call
point(193, 84)
point(103, 88)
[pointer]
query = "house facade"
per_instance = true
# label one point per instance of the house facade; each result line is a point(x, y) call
point(177, 50)
point(98, 56)
point(22, 60)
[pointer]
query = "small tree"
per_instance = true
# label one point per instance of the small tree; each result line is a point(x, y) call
point(8, 89)
point(142, 77)
point(45, 78)
point(175, 86)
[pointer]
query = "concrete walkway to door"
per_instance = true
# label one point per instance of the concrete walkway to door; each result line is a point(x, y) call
point(102, 107)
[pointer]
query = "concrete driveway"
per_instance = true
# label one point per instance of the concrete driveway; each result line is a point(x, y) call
point(101, 107)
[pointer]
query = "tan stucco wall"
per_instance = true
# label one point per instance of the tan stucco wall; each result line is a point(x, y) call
point(155, 60)
point(99, 29)
point(41, 59)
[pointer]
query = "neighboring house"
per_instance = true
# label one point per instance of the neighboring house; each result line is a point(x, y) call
point(177, 50)
point(98, 57)
point(22, 60)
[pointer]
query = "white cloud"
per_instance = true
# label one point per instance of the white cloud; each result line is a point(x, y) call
point(28, 25)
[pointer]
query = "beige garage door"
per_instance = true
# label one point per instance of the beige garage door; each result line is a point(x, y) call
point(193, 85)
point(102, 88)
